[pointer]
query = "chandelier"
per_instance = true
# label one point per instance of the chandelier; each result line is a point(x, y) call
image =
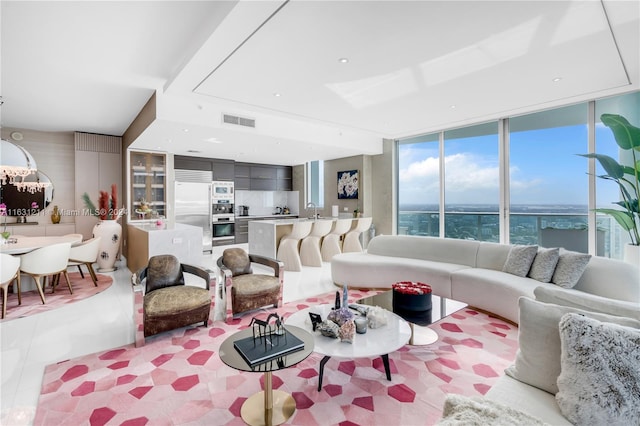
point(18, 168)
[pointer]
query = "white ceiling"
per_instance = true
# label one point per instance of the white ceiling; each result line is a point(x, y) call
point(413, 67)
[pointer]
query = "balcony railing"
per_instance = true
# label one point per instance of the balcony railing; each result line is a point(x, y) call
point(568, 230)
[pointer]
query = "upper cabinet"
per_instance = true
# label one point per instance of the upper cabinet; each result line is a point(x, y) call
point(223, 170)
point(148, 184)
point(246, 176)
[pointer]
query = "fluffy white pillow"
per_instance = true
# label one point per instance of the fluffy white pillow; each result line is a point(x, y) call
point(538, 358)
point(600, 379)
point(587, 301)
point(462, 410)
point(544, 264)
point(519, 260)
point(570, 267)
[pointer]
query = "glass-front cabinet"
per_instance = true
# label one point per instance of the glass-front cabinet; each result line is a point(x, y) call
point(148, 185)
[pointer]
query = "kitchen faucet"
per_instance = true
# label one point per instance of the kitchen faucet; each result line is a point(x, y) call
point(315, 210)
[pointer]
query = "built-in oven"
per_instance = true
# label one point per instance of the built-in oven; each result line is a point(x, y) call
point(223, 222)
point(224, 231)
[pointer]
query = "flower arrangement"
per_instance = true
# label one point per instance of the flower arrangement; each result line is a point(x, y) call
point(107, 206)
point(410, 287)
point(3, 212)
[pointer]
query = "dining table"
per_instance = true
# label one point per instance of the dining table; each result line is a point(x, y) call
point(24, 244)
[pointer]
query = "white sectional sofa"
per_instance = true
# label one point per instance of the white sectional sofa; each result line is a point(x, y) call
point(472, 272)
point(469, 271)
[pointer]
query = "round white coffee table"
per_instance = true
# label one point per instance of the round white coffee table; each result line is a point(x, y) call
point(375, 342)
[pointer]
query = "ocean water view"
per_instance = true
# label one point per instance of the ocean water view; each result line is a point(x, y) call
point(545, 225)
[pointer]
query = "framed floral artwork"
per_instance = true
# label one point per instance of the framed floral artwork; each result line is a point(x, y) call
point(348, 184)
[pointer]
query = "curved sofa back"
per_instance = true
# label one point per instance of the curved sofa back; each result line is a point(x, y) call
point(446, 250)
point(603, 276)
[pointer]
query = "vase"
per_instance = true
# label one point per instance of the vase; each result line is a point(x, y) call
point(110, 231)
point(55, 215)
point(632, 254)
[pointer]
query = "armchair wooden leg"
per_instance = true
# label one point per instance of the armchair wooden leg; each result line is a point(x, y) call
point(66, 276)
point(81, 273)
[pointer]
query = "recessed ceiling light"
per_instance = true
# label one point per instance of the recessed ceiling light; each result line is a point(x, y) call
point(452, 107)
point(277, 95)
point(343, 60)
point(213, 140)
point(194, 151)
point(557, 79)
point(185, 130)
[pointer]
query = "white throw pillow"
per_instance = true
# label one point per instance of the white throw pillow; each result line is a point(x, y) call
point(544, 264)
point(570, 267)
point(600, 379)
point(519, 260)
point(538, 358)
point(587, 301)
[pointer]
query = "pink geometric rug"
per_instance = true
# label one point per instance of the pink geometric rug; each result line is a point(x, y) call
point(177, 378)
point(32, 304)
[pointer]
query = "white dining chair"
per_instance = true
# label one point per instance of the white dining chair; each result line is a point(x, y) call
point(332, 242)
point(9, 271)
point(352, 238)
point(310, 247)
point(85, 253)
point(45, 261)
point(288, 249)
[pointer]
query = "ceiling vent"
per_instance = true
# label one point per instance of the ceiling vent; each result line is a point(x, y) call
point(238, 121)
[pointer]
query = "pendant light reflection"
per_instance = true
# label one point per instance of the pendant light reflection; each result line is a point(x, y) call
point(18, 168)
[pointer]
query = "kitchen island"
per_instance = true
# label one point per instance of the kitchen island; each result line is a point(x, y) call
point(265, 235)
point(146, 239)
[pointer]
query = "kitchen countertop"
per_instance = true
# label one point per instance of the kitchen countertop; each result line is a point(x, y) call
point(253, 217)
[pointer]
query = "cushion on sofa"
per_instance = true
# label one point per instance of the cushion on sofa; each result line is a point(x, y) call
point(544, 264)
point(600, 379)
point(570, 267)
point(464, 410)
point(589, 302)
point(520, 259)
point(511, 392)
point(538, 358)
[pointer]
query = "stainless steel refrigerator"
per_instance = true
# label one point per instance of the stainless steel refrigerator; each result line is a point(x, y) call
point(193, 207)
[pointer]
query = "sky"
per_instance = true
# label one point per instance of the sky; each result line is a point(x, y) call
point(544, 168)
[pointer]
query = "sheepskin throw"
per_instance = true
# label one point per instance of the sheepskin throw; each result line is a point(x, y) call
point(462, 410)
point(600, 379)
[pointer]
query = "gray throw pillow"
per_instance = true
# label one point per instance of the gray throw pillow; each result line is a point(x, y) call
point(544, 264)
point(600, 379)
point(538, 358)
point(570, 267)
point(587, 301)
point(519, 260)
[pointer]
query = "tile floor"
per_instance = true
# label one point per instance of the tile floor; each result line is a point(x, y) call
point(101, 322)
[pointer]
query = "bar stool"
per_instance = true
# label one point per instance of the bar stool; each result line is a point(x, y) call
point(331, 243)
point(352, 239)
point(310, 247)
point(288, 248)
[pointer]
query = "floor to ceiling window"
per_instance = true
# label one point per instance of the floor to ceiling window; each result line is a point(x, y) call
point(607, 193)
point(471, 183)
point(548, 181)
point(419, 186)
point(545, 189)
